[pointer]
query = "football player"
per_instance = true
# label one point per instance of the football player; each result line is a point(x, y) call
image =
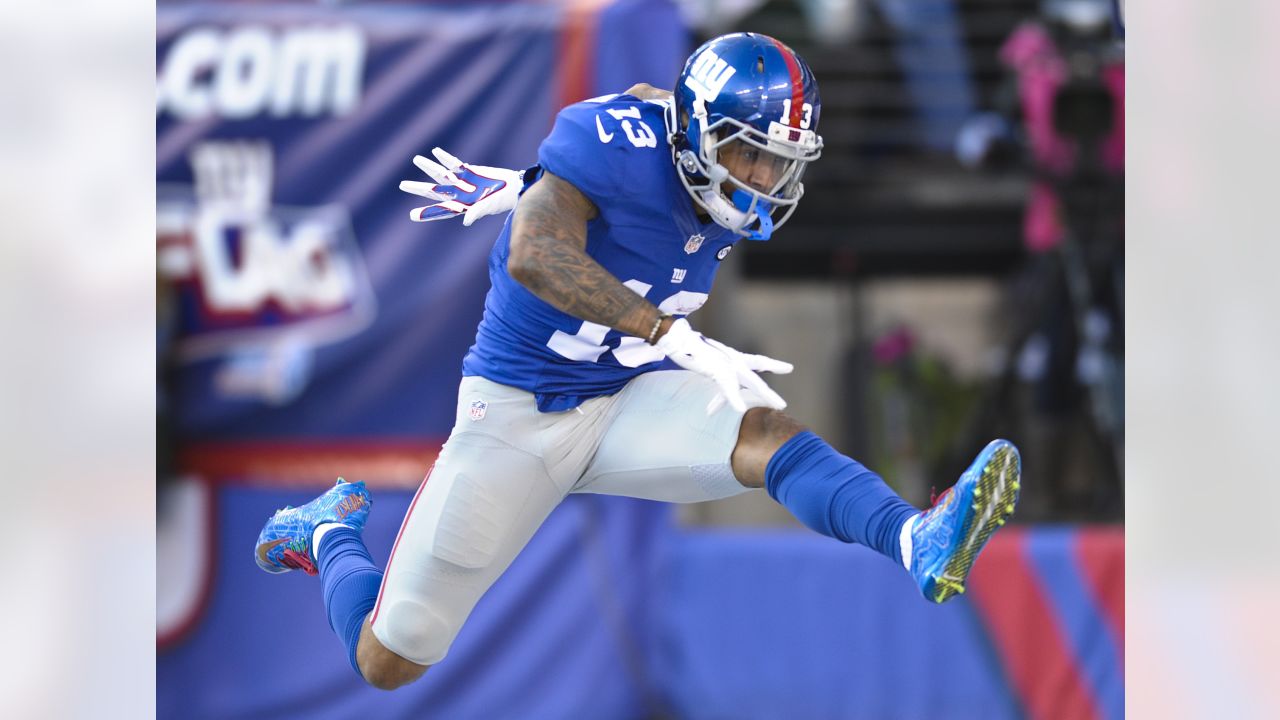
point(586, 376)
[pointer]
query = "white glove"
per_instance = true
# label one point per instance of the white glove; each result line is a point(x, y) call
point(730, 369)
point(472, 191)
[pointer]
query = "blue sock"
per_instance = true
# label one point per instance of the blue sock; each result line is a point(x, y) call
point(836, 495)
point(351, 583)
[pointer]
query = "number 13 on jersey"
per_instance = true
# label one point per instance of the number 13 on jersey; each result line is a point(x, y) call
point(639, 133)
point(587, 345)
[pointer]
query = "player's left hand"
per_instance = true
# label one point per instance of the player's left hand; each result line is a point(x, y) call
point(730, 369)
point(472, 191)
point(750, 379)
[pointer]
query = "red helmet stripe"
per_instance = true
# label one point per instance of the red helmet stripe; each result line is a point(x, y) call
point(797, 84)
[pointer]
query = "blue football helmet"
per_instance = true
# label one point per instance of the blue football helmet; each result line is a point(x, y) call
point(743, 125)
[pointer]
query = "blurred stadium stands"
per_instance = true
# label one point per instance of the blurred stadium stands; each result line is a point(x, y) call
point(890, 198)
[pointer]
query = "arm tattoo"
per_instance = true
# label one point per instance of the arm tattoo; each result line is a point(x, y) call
point(548, 237)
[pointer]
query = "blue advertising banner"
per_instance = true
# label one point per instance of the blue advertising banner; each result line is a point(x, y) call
point(559, 636)
point(308, 305)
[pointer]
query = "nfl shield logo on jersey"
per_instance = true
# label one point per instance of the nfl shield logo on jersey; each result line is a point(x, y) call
point(478, 409)
point(695, 242)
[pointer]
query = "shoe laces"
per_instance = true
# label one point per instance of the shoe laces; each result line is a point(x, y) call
point(298, 561)
point(935, 501)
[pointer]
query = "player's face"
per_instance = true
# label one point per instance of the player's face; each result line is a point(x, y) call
point(759, 169)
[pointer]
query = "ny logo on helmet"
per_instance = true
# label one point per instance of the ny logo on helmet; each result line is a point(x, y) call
point(708, 76)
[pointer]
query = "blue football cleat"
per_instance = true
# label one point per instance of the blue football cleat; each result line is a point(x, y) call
point(947, 537)
point(285, 541)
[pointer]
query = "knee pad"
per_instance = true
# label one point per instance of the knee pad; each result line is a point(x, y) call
point(473, 522)
point(413, 631)
point(477, 510)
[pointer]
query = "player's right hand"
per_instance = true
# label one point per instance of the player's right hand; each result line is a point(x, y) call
point(730, 369)
point(472, 191)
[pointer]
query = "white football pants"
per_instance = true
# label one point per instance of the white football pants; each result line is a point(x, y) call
point(506, 466)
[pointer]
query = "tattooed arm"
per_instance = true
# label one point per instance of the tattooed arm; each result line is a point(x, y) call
point(548, 237)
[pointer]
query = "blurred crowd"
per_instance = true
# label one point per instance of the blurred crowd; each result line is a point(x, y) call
point(1016, 108)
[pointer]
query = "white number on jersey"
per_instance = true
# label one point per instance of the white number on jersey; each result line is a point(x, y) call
point(586, 344)
point(638, 133)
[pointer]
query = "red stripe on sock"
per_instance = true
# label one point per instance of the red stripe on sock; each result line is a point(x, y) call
point(1022, 626)
point(405, 523)
point(1100, 554)
point(797, 84)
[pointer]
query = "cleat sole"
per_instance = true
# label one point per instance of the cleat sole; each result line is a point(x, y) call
point(999, 484)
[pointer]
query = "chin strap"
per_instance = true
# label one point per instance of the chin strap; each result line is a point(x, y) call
point(737, 216)
point(742, 201)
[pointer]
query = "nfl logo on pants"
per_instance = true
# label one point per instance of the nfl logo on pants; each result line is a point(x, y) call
point(478, 408)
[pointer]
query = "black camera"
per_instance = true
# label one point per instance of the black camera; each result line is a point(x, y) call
point(1083, 108)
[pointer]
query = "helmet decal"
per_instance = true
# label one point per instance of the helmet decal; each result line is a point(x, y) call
point(796, 106)
point(708, 76)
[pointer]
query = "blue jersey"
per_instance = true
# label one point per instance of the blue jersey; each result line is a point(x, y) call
point(647, 234)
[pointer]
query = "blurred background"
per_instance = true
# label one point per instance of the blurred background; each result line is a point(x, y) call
point(955, 273)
